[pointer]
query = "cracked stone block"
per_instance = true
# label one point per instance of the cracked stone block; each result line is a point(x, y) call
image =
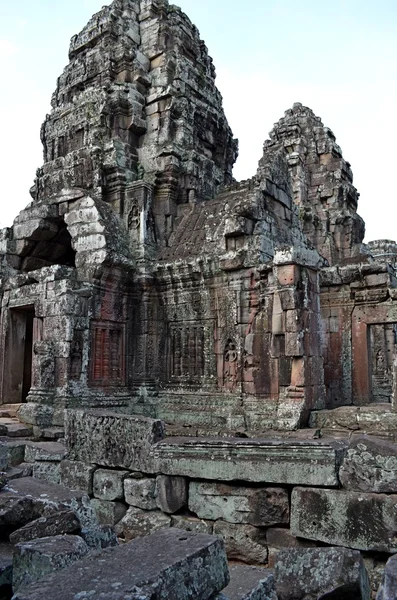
point(109, 484)
point(239, 504)
point(37, 558)
point(338, 573)
point(140, 493)
point(171, 493)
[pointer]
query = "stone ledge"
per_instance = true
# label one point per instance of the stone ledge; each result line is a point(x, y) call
point(262, 461)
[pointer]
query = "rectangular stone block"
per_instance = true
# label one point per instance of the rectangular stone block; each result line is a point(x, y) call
point(239, 504)
point(295, 462)
point(77, 475)
point(243, 542)
point(140, 493)
point(108, 484)
point(355, 520)
point(111, 439)
point(107, 512)
point(163, 566)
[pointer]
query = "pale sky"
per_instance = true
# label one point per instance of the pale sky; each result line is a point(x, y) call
point(337, 56)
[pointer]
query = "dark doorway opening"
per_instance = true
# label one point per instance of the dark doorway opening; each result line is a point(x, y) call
point(19, 352)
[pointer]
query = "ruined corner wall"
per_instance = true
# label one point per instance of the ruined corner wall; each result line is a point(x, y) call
point(322, 182)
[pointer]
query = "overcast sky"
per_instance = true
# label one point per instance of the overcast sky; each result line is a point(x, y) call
point(337, 56)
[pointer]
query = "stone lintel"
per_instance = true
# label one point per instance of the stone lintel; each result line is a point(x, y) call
point(266, 461)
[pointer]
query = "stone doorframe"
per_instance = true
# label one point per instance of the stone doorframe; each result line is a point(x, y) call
point(362, 318)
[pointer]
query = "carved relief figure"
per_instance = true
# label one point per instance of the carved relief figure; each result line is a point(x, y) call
point(230, 366)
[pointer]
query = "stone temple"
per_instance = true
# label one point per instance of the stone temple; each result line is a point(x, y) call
point(144, 283)
point(143, 276)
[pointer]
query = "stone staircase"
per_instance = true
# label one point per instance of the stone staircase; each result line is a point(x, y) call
point(10, 426)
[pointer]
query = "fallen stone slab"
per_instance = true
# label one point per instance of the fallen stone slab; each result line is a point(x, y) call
point(262, 507)
point(111, 439)
point(22, 470)
point(243, 542)
point(351, 519)
point(388, 587)
point(316, 573)
point(289, 461)
point(64, 521)
point(15, 429)
point(167, 565)
point(137, 523)
point(27, 499)
point(171, 493)
point(37, 558)
point(370, 465)
point(250, 583)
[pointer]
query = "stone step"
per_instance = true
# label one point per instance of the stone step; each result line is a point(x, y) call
point(44, 451)
point(13, 428)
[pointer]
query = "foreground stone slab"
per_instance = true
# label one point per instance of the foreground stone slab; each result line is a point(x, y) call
point(388, 587)
point(34, 559)
point(111, 439)
point(250, 583)
point(26, 499)
point(361, 521)
point(370, 465)
point(268, 461)
point(167, 565)
point(239, 504)
point(337, 573)
point(59, 523)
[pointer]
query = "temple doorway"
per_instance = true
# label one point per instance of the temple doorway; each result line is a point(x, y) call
point(18, 355)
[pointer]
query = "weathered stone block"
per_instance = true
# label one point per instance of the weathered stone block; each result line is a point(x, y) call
point(108, 485)
point(107, 512)
point(243, 542)
point(370, 465)
point(268, 461)
point(111, 439)
point(250, 583)
point(321, 573)
point(239, 504)
point(167, 565)
point(362, 521)
point(35, 559)
point(388, 587)
point(99, 536)
point(47, 471)
point(41, 415)
point(45, 451)
point(192, 524)
point(140, 493)
point(77, 475)
point(137, 523)
point(59, 523)
point(171, 493)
